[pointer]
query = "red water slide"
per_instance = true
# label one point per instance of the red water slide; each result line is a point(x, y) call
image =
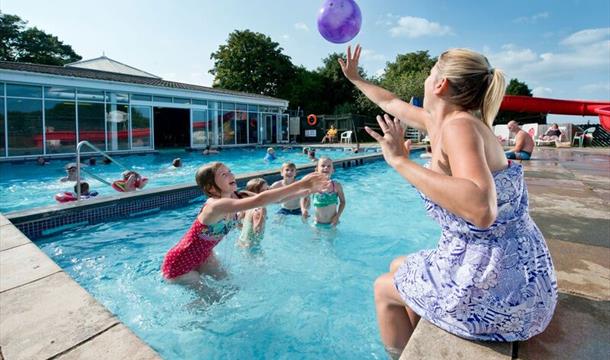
point(560, 107)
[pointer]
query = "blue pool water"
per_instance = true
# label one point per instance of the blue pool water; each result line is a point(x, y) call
point(27, 185)
point(307, 294)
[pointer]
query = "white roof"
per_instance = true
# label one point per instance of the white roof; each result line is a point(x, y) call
point(104, 63)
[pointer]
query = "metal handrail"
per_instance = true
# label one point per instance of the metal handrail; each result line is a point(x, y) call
point(80, 144)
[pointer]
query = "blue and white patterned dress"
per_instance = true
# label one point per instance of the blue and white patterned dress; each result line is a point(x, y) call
point(493, 284)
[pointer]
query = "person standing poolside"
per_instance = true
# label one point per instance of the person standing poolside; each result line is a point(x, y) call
point(328, 205)
point(524, 144)
point(491, 277)
point(290, 206)
point(194, 255)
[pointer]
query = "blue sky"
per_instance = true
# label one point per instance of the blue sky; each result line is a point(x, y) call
point(561, 49)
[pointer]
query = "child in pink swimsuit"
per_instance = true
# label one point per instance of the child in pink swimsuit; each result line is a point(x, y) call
point(194, 255)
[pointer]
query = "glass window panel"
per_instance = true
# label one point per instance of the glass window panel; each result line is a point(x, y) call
point(60, 123)
point(242, 107)
point(117, 127)
point(24, 90)
point(215, 135)
point(24, 126)
point(182, 101)
point(140, 97)
point(228, 127)
point(164, 99)
point(2, 134)
point(91, 124)
point(201, 128)
point(141, 117)
point(1, 89)
point(199, 102)
point(59, 93)
point(241, 128)
point(228, 106)
point(253, 127)
point(90, 95)
point(212, 105)
point(121, 98)
point(253, 108)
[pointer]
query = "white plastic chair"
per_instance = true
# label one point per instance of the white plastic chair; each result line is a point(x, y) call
point(347, 136)
point(502, 133)
point(582, 136)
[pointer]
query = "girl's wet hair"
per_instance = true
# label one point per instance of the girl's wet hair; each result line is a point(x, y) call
point(205, 178)
point(324, 158)
point(256, 185)
point(473, 83)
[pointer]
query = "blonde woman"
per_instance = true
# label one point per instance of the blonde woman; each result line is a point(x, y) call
point(491, 276)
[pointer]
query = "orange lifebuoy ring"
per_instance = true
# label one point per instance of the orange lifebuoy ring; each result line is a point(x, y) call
point(312, 119)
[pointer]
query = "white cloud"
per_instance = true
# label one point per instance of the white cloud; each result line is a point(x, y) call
point(569, 61)
point(532, 19)
point(301, 26)
point(286, 37)
point(387, 20)
point(542, 91)
point(586, 37)
point(371, 55)
point(379, 73)
point(413, 27)
point(597, 87)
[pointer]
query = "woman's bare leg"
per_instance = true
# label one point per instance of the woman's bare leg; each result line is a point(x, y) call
point(395, 324)
point(395, 264)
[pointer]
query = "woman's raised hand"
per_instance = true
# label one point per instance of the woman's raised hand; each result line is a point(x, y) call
point(316, 182)
point(392, 141)
point(350, 65)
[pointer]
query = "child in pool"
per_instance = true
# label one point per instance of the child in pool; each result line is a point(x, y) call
point(254, 219)
point(270, 156)
point(325, 203)
point(193, 255)
point(131, 182)
point(291, 206)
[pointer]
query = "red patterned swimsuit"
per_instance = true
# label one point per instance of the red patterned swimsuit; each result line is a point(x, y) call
point(195, 247)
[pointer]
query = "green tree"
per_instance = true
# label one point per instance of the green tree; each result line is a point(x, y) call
point(516, 87)
point(406, 75)
point(32, 45)
point(306, 91)
point(253, 63)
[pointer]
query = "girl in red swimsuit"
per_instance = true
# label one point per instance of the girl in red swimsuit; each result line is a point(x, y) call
point(193, 255)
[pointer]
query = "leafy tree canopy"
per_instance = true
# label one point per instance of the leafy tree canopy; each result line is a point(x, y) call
point(253, 63)
point(31, 45)
point(516, 87)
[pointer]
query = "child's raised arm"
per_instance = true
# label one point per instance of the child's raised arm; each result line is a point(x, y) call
point(213, 212)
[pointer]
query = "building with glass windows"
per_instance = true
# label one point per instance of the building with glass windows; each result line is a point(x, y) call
point(46, 110)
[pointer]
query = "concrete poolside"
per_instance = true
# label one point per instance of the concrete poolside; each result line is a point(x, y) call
point(569, 194)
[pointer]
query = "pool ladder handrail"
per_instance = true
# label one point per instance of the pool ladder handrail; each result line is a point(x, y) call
point(78, 147)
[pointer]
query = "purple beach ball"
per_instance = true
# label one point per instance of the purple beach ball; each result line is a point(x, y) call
point(339, 20)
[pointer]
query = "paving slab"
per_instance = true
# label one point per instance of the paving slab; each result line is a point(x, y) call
point(23, 264)
point(10, 237)
point(579, 330)
point(3, 220)
point(118, 342)
point(581, 269)
point(578, 229)
point(550, 174)
point(553, 201)
point(47, 317)
point(429, 342)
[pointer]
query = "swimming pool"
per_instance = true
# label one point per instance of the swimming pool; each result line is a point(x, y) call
point(27, 185)
point(306, 294)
